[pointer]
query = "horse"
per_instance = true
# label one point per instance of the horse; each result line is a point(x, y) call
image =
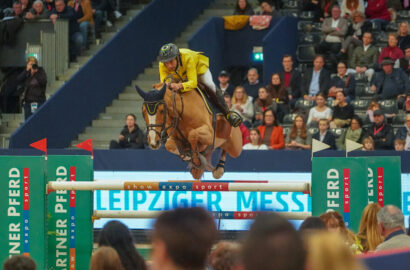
point(184, 122)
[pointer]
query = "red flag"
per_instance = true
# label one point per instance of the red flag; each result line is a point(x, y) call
point(86, 145)
point(40, 145)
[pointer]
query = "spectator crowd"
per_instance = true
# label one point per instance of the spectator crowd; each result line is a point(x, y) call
point(187, 238)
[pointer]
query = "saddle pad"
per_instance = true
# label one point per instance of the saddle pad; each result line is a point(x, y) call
point(213, 110)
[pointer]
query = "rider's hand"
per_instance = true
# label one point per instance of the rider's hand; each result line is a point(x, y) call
point(176, 86)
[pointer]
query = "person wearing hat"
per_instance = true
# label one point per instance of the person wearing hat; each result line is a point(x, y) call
point(188, 68)
point(224, 84)
point(404, 63)
point(381, 132)
point(390, 82)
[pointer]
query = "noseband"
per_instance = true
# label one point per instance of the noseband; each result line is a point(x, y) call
point(152, 108)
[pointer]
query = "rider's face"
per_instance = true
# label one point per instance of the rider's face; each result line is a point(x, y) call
point(171, 65)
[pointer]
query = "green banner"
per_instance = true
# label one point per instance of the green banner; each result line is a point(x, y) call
point(70, 247)
point(22, 208)
point(340, 184)
point(384, 180)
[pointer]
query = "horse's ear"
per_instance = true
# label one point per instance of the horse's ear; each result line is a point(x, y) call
point(140, 92)
point(163, 89)
point(157, 85)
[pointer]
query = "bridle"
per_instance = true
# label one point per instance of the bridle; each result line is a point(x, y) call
point(152, 108)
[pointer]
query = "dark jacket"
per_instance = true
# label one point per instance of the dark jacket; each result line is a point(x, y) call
point(69, 14)
point(385, 132)
point(329, 139)
point(348, 84)
point(324, 81)
point(295, 82)
point(402, 133)
point(9, 31)
point(404, 64)
point(135, 139)
point(252, 89)
point(392, 85)
point(34, 85)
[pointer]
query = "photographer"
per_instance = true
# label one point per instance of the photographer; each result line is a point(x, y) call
point(34, 81)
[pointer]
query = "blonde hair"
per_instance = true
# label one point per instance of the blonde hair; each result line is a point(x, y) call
point(398, 30)
point(106, 258)
point(225, 255)
point(244, 97)
point(328, 251)
point(368, 229)
point(32, 59)
point(370, 140)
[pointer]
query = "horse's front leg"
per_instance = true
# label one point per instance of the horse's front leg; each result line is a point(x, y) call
point(200, 138)
point(171, 145)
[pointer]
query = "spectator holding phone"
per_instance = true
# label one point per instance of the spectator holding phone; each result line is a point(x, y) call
point(34, 81)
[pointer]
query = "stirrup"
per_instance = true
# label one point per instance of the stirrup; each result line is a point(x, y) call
point(234, 119)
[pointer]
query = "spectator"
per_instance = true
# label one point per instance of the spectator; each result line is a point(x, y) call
point(335, 223)
point(406, 106)
point(252, 85)
point(268, 9)
point(320, 111)
point(19, 262)
point(84, 14)
point(255, 141)
point(342, 112)
point(354, 133)
point(291, 78)
point(25, 6)
point(326, 8)
point(17, 10)
point(75, 38)
point(403, 133)
point(225, 256)
point(391, 225)
point(37, 12)
point(49, 5)
point(378, 12)
point(271, 133)
point(312, 224)
point(365, 57)
point(344, 82)
point(105, 258)
point(390, 82)
point(224, 84)
point(243, 8)
point(316, 79)
point(368, 234)
point(324, 135)
point(10, 90)
point(354, 34)
point(262, 103)
point(131, 135)
point(242, 104)
point(279, 95)
point(368, 144)
point(334, 30)
point(391, 51)
point(273, 243)
point(182, 239)
point(374, 105)
point(34, 80)
point(315, 7)
point(351, 7)
point(298, 137)
point(404, 63)
point(242, 127)
point(381, 132)
point(399, 144)
point(403, 37)
point(116, 235)
point(328, 251)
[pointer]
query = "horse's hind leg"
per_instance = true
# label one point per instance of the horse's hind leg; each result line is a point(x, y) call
point(219, 170)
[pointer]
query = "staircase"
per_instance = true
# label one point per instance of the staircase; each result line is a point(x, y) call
point(10, 122)
point(110, 123)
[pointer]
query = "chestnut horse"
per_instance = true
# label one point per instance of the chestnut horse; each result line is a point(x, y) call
point(183, 122)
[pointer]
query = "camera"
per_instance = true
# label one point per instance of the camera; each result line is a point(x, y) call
point(34, 66)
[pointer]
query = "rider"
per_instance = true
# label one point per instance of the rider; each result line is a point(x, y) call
point(190, 67)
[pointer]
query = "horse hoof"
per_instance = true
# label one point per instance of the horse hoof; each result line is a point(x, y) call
point(197, 173)
point(218, 172)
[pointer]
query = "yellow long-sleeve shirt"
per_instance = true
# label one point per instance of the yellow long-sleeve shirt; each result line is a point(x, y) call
point(192, 65)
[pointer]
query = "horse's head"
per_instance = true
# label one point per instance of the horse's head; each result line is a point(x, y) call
point(154, 111)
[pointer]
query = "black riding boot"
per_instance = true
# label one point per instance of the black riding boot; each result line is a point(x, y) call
point(234, 119)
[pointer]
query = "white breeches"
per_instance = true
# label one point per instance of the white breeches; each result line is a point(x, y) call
point(206, 79)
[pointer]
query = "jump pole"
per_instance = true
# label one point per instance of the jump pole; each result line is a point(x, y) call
point(180, 186)
point(216, 214)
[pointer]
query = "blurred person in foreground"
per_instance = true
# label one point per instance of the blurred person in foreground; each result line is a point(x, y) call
point(328, 251)
point(225, 256)
point(116, 235)
point(19, 262)
point(391, 226)
point(311, 225)
point(105, 258)
point(182, 239)
point(368, 234)
point(273, 243)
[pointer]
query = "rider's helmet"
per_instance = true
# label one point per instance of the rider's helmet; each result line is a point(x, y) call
point(168, 52)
